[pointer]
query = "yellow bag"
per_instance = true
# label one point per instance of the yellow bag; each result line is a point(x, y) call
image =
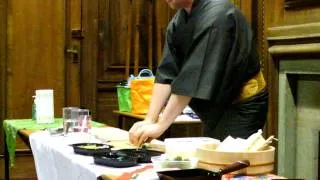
point(141, 91)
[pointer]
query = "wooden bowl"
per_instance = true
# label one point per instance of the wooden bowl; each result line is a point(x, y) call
point(261, 162)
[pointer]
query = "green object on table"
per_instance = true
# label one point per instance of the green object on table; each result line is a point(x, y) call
point(124, 99)
point(11, 128)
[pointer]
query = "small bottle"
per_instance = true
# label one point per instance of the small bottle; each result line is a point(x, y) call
point(131, 77)
point(34, 109)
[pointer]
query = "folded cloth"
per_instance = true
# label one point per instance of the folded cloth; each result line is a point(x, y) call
point(11, 128)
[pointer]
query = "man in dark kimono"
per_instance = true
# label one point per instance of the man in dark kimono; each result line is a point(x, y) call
point(209, 63)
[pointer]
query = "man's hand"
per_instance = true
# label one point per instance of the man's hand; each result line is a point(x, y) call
point(145, 131)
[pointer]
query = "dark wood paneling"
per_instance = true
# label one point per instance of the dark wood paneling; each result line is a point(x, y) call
point(277, 15)
point(89, 54)
point(34, 59)
point(3, 58)
point(73, 58)
point(105, 105)
point(36, 53)
point(23, 169)
point(300, 3)
point(131, 36)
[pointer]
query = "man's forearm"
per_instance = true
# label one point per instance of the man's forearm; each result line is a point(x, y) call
point(174, 107)
point(160, 95)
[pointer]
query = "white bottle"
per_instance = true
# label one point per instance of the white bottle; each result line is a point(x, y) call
point(44, 106)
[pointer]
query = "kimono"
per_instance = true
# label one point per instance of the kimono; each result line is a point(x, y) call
point(209, 54)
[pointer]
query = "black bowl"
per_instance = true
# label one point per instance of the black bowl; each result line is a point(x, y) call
point(91, 149)
point(115, 160)
point(143, 155)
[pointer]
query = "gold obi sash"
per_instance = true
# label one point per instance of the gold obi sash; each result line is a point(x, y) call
point(252, 87)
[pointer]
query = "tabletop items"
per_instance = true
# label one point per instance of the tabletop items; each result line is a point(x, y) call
point(134, 94)
point(75, 120)
point(116, 162)
point(255, 149)
point(255, 142)
point(12, 126)
point(43, 107)
point(125, 157)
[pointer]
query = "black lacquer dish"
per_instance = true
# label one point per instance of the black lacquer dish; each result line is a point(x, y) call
point(113, 159)
point(91, 149)
point(143, 155)
point(125, 157)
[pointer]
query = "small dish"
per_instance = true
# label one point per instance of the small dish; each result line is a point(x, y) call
point(163, 162)
point(143, 155)
point(91, 149)
point(114, 159)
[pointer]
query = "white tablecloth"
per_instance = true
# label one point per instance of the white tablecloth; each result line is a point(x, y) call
point(55, 159)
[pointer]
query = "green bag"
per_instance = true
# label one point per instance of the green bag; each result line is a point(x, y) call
point(124, 99)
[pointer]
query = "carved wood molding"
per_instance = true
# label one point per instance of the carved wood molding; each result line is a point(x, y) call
point(301, 31)
point(295, 39)
point(295, 49)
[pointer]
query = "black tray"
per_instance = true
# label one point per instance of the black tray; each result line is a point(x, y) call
point(143, 155)
point(101, 148)
point(125, 157)
point(114, 159)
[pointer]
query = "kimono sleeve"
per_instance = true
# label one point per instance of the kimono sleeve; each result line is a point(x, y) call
point(168, 69)
point(202, 72)
point(221, 60)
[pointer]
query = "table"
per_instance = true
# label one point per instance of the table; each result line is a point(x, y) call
point(183, 119)
point(138, 117)
point(53, 156)
point(23, 128)
point(55, 159)
point(54, 152)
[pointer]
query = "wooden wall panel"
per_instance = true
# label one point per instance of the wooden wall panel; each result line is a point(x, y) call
point(283, 23)
point(131, 37)
point(3, 58)
point(277, 15)
point(33, 59)
point(3, 68)
point(278, 25)
point(105, 105)
point(73, 60)
point(23, 170)
point(35, 52)
point(89, 64)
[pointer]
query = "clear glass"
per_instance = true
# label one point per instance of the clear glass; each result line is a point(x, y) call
point(82, 120)
point(68, 121)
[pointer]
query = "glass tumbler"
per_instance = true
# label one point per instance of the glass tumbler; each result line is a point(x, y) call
point(82, 120)
point(68, 121)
